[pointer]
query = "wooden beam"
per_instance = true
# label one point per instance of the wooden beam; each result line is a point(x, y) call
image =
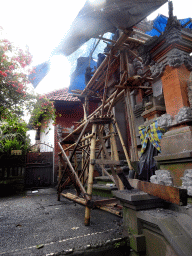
point(170, 194)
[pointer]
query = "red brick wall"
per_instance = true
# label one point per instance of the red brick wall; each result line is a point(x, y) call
point(175, 88)
point(66, 117)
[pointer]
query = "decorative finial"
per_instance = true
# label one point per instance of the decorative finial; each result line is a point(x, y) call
point(170, 3)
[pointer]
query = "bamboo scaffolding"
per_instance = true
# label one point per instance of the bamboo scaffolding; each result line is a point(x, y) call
point(97, 120)
point(131, 114)
point(91, 171)
point(116, 178)
point(123, 145)
point(91, 116)
point(116, 155)
point(106, 83)
point(72, 170)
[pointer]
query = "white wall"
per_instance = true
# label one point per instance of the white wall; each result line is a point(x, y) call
point(47, 137)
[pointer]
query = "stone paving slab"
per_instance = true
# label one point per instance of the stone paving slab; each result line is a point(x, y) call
point(39, 219)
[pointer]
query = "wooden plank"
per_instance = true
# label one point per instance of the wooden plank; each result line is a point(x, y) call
point(170, 194)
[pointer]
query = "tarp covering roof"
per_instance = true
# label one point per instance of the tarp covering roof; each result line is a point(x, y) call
point(160, 23)
point(94, 20)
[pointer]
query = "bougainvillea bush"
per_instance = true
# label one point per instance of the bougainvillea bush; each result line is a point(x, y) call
point(14, 84)
point(16, 95)
point(43, 113)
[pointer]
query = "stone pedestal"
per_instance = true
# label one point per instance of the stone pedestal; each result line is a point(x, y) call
point(153, 230)
point(134, 201)
point(153, 113)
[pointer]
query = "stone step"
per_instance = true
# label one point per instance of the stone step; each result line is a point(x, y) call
point(104, 190)
point(103, 179)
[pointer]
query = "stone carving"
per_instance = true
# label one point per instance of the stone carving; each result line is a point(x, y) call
point(138, 66)
point(157, 69)
point(173, 31)
point(187, 181)
point(184, 114)
point(165, 121)
point(177, 58)
point(174, 59)
point(162, 177)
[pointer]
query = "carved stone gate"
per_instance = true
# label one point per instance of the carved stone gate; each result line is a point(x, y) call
point(39, 166)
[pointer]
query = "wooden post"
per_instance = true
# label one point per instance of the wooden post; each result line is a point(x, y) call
point(91, 172)
point(115, 152)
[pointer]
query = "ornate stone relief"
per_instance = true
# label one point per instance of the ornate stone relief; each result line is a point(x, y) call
point(174, 59)
point(138, 66)
point(165, 121)
point(187, 181)
point(157, 69)
point(162, 177)
point(184, 114)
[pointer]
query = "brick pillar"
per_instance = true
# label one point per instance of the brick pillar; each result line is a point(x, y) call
point(174, 82)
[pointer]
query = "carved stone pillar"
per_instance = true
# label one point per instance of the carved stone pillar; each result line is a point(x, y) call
point(169, 59)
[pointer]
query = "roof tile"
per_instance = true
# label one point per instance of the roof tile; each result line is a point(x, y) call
point(61, 94)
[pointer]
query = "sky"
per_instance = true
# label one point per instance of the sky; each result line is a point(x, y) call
point(41, 25)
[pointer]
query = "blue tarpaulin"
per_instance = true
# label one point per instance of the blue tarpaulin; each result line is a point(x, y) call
point(40, 72)
point(160, 23)
point(78, 76)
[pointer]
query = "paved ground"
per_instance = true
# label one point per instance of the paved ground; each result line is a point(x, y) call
point(39, 219)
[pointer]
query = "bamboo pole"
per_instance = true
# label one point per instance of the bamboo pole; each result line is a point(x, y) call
point(123, 145)
point(72, 170)
point(58, 194)
point(106, 83)
point(91, 172)
point(116, 178)
point(82, 162)
point(91, 116)
point(115, 152)
point(72, 145)
point(88, 156)
point(62, 150)
point(117, 91)
point(132, 118)
point(102, 157)
point(119, 42)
